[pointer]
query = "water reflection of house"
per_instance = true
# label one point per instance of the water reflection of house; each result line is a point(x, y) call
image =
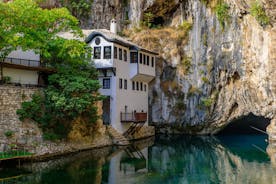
point(131, 163)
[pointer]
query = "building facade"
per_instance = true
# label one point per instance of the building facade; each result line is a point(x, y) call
point(125, 70)
point(23, 68)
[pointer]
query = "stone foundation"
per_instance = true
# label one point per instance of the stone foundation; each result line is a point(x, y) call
point(29, 135)
point(12, 130)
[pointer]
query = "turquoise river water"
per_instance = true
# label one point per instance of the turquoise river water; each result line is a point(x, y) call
point(178, 159)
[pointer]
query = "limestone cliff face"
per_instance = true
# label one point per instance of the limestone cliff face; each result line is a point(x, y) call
point(233, 70)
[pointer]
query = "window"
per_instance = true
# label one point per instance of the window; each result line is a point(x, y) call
point(141, 86)
point(137, 86)
point(133, 85)
point(98, 41)
point(148, 58)
point(106, 83)
point(133, 57)
point(120, 54)
point(97, 52)
point(125, 84)
point(125, 55)
point(120, 83)
point(145, 87)
point(144, 59)
point(107, 52)
point(115, 53)
point(141, 58)
point(152, 62)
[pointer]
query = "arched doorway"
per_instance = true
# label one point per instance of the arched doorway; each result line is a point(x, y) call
point(249, 124)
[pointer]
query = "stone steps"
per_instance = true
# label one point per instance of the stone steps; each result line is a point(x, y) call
point(118, 139)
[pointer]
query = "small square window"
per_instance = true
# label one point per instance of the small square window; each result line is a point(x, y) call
point(120, 83)
point(106, 83)
point(120, 54)
point(133, 57)
point(125, 84)
point(97, 52)
point(133, 85)
point(137, 86)
point(125, 55)
point(115, 53)
point(107, 52)
point(144, 62)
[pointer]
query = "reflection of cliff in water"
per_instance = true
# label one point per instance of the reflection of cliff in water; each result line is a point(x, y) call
point(183, 159)
point(211, 160)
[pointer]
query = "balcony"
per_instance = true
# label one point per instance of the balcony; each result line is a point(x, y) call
point(27, 64)
point(136, 117)
point(23, 62)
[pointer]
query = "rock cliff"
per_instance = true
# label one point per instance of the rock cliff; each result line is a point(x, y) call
point(232, 68)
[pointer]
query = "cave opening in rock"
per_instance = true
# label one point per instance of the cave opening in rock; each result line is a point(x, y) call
point(158, 21)
point(249, 124)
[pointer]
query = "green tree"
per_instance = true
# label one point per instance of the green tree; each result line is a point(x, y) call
point(24, 24)
point(72, 90)
point(79, 8)
point(257, 11)
point(222, 11)
point(148, 19)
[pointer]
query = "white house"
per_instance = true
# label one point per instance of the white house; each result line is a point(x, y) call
point(125, 72)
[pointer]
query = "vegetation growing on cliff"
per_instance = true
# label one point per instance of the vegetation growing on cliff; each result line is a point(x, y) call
point(79, 8)
point(72, 90)
point(222, 12)
point(168, 41)
point(257, 11)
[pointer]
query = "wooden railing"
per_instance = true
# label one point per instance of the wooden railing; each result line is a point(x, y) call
point(127, 117)
point(24, 62)
point(134, 117)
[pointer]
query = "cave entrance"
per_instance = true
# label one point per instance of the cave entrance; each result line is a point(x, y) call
point(249, 124)
point(158, 21)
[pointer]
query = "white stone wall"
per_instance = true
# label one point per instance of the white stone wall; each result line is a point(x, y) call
point(102, 63)
point(21, 76)
point(28, 55)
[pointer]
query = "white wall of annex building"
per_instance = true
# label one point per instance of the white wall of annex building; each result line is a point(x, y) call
point(21, 76)
point(27, 55)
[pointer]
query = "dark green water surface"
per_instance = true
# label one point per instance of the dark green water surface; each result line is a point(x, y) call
point(178, 159)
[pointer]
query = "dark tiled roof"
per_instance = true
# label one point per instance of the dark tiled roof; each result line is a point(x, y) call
point(109, 36)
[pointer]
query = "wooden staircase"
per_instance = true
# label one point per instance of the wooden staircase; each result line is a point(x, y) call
point(118, 139)
point(134, 127)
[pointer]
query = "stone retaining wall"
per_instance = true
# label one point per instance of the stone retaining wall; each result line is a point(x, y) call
point(11, 98)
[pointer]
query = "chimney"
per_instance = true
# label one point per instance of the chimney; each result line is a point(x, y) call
point(113, 26)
